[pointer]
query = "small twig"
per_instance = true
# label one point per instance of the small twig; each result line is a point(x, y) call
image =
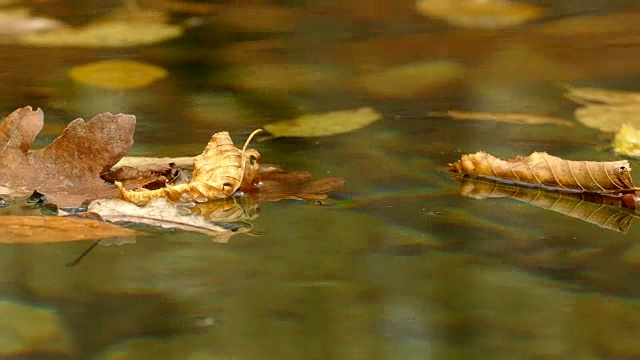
point(77, 260)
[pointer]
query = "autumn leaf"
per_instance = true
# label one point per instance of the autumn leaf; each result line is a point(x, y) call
point(605, 211)
point(165, 214)
point(276, 184)
point(627, 141)
point(68, 170)
point(542, 169)
point(324, 124)
point(219, 171)
point(117, 74)
point(605, 110)
point(510, 118)
point(46, 229)
point(480, 13)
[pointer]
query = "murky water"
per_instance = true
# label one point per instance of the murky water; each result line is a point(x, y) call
point(402, 267)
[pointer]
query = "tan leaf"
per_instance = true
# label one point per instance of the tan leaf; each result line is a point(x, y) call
point(163, 213)
point(276, 185)
point(68, 170)
point(324, 124)
point(542, 169)
point(605, 110)
point(117, 74)
point(511, 118)
point(44, 229)
point(219, 171)
point(601, 210)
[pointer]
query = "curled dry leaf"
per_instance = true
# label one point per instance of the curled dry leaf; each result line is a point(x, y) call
point(542, 169)
point(68, 170)
point(219, 171)
point(163, 213)
point(511, 118)
point(604, 211)
point(44, 229)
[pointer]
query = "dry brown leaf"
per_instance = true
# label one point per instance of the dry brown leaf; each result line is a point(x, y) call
point(602, 210)
point(163, 213)
point(68, 170)
point(542, 169)
point(46, 229)
point(219, 171)
point(276, 185)
point(511, 118)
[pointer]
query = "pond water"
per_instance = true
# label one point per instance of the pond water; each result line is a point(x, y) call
point(402, 266)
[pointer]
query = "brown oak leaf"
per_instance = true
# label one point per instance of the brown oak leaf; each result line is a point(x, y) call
point(68, 170)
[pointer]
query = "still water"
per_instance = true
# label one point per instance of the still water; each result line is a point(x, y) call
point(402, 266)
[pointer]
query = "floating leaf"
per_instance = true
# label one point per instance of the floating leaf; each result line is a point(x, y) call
point(44, 229)
point(163, 213)
point(218, 172)
point(511, 118)
point(606, 110)
point(542, 169)
point(602, 210)
point(68, 170)
point(411, 80)
point(280, 77)
point(627, 141)
point(111, 33)
point(324, 124)
point(480, 13)
point(117, 74)
point(22, 24)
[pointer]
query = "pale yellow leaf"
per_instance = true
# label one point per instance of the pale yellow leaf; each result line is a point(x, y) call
point(491, 14)
point(324, 124)
point(627, 141)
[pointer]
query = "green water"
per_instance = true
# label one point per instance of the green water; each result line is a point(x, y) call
point(402, 267)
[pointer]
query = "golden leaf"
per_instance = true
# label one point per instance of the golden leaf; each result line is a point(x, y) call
point(542, 169)
point(627, 141)
point(219, 171)
point(605, 110)
point(117, 74)
point(510, 118)
point(325, 124)
point(480, 13)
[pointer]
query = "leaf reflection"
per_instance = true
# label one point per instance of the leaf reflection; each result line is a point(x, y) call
point(605, 211)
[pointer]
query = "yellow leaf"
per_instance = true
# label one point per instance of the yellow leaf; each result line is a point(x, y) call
point(480, 13)
point(627, 141)
point(117, 74)
point(324, 124)
point(410, 80)
point(606, 110)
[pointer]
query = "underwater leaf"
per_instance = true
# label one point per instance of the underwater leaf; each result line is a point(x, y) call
point(117, 32)
point(117, 74)
point(605, 110)
point(604, 211)
point(163, 213)
point(511, 118)
point(218, 172)
point(324, 124)
point(542, 169)
point(490, 14)
point(627, 141)
point(45, 229)
point(276, 185)
point(68, 170)
point(411, 80)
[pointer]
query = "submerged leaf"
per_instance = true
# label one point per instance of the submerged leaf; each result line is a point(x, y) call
point(324, 124)
point(163, 213)
point(601, 210)
point(411, 80)
point(627, 141)
point(480, 13)
point(68, 170)
point(542, 169)
point(45, 229)
point(117, 74)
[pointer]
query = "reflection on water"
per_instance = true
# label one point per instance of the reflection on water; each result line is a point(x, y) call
point(402, 266)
